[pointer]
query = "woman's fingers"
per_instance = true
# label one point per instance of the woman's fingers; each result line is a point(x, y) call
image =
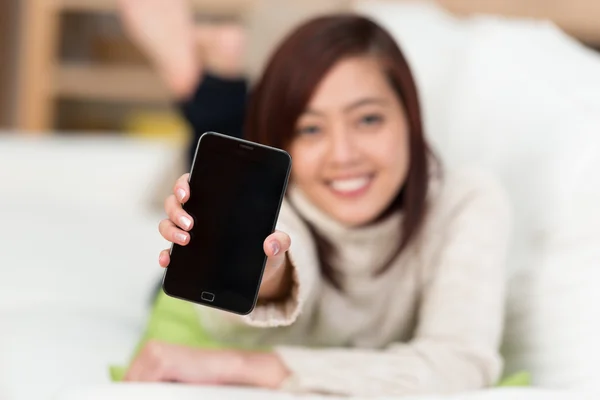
point(164, 258)
point(177, 215)
point(173, 204)
point(147, 365)
point(175, 228)
point(181, 190)
point(135, 371)
point(172, 233)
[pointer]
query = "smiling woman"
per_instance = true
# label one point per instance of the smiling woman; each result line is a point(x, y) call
point(384, 277)
point(351, 119)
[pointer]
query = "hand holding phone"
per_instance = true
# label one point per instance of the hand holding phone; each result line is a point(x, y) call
point(176, 229)
point(222, 217)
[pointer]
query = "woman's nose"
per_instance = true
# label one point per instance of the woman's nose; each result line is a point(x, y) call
point(343, 148)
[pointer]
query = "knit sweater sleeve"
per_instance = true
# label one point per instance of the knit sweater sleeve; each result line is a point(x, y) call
point(460, 317)
point(303, 261)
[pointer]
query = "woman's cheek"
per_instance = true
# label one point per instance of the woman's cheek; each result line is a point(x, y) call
point(307, 161)
point(394, 151)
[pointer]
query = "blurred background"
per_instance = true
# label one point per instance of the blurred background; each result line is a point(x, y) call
point(67, 66)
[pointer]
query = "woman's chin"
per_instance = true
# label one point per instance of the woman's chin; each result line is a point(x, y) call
point(352, 213)
point(353, 218)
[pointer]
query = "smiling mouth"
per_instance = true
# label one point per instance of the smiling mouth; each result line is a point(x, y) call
point(351, 186)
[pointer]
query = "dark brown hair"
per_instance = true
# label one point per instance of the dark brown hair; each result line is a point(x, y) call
point(287, 85)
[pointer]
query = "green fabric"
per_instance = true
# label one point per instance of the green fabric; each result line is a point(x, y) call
point(176, 321)
point(522, 378)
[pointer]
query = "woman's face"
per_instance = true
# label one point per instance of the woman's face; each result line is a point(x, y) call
point(350, 151)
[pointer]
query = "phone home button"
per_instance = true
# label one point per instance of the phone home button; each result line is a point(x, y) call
point(207, 296)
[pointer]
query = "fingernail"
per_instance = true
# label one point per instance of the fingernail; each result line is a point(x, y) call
point(181, 237)
point(180, 194)
point(275, 247)
point(185, 222)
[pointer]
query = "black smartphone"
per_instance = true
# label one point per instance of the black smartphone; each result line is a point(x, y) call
point(236, 191)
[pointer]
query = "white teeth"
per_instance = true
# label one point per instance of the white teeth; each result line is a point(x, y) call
point(349, 185)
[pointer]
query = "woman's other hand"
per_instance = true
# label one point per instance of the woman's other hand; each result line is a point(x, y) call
point(163, 362)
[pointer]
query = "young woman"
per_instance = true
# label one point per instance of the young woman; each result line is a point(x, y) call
point(385, 276)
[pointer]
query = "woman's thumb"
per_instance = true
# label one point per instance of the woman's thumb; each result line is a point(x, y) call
point(277, 244)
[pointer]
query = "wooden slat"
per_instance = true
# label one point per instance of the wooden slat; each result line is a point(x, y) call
point(38, 45)
point(6, 28)
point(220, 7)
point(109, 83)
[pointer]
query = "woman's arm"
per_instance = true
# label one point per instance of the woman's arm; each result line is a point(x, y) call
point(460, 320)
point(456, 343)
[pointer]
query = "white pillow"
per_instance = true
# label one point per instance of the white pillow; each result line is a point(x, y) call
point(75, 293)
point(521, 108)
point(45, 350)
point(82, 261)
point(95, 172)
point(181, 392)
point(79, 257)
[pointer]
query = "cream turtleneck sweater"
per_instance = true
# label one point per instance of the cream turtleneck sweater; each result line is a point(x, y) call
point(431, 324)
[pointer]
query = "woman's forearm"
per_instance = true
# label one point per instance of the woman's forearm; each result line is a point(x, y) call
point(259, 369)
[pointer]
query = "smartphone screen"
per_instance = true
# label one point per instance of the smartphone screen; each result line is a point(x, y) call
point(236, 190)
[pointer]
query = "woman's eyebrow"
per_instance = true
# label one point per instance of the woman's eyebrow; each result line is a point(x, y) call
point(313, 112)
point(351, 106)
point(365, 101)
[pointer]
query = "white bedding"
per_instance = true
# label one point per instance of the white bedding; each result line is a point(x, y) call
point(78, 258)
point(164, 391)
point(73, 296)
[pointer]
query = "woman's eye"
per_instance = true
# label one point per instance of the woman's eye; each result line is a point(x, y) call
point(308, 130)
point(371, 119)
